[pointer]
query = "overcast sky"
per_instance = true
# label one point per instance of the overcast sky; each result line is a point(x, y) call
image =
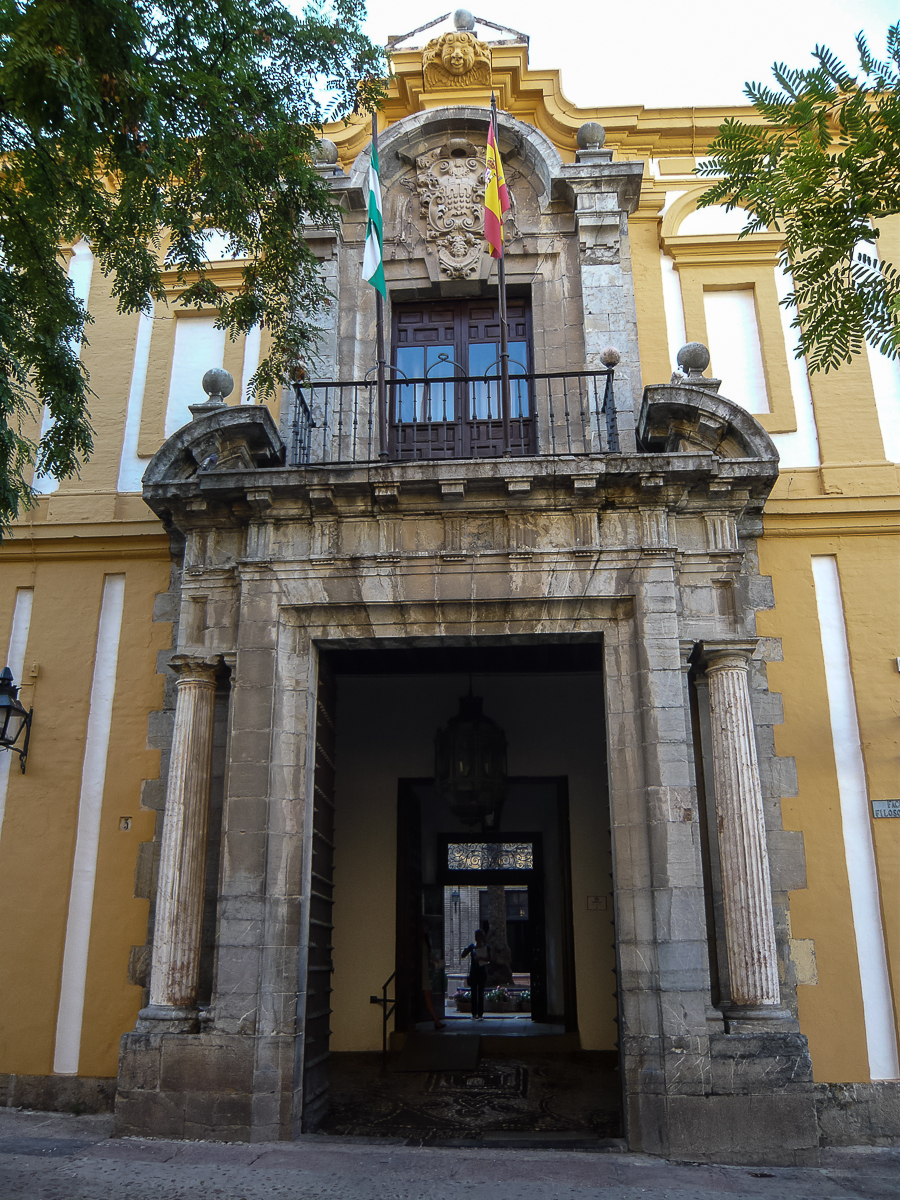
point(662, 53)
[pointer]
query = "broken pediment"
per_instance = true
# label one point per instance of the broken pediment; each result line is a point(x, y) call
point(238, 438)
point(682, 417)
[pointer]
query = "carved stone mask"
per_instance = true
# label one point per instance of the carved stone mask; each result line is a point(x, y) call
point(457, 54)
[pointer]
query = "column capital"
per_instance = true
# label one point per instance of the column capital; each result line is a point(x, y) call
point(728, 655)
point(195, 668)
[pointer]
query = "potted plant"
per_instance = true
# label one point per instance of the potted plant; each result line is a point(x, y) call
point(463, 999)
point(498, 1000)
point(524, 1000)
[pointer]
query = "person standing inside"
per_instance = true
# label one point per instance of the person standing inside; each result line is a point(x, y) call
point(479, 956)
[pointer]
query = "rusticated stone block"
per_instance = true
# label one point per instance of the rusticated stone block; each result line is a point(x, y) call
point(149, 1114)
point(206, 1064)
point(858, 1114)
point(775, 1129)
point(61, 1093)
point(760, 1064)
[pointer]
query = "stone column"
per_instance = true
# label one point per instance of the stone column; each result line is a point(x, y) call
point(743, 854)
point(182, 863)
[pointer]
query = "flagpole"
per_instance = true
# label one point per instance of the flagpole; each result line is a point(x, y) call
point(381, 389)
point(504, 328)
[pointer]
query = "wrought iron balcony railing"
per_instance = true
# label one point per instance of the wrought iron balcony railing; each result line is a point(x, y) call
point(456, 417)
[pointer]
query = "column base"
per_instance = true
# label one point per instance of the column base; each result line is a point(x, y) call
point(165, 1018)
point(759, 1018)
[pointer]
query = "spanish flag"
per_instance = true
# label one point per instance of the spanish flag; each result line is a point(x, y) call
point(496, 197)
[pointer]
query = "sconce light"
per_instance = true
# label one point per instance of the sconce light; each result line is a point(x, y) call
point(14, 720)
point(470, 764)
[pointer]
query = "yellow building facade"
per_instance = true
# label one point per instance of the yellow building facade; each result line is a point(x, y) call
point(89, 619)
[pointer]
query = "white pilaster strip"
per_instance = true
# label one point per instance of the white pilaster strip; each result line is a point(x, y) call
point(252, 345)
point(859, 849)
point(84, 866)
point(15, 660)
point(81, 266)
point(131, 468)
point(673, 306)
point(800, 448)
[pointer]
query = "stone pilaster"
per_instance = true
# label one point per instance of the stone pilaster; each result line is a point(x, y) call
point(744, 861)
point(179, 904)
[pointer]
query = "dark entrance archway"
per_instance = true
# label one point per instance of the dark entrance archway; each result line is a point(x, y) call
point(393, 845)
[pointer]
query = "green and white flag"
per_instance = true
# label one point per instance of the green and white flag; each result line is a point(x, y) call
point(373, 259)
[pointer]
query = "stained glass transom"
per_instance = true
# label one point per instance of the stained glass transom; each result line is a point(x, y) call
point(490, 856)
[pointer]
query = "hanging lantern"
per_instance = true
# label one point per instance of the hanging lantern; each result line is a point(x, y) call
point(14, 720)
point(470, 763)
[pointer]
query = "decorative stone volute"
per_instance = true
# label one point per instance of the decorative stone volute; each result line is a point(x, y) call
point(456, 60)
point(682, 416)
point(220, 438)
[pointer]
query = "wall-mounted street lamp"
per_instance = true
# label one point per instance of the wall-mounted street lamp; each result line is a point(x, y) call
point(14, 720)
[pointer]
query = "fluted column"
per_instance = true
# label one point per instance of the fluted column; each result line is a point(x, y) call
point(743, 853)
point(182, 862)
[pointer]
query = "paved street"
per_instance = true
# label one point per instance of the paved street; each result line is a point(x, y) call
point(45, 1156)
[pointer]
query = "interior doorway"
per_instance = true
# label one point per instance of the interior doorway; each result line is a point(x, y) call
point(513, 882)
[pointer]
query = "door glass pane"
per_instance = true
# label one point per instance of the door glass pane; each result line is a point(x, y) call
point(438, 404)
point(410, 360)
point(484, 359)
point(418, 402)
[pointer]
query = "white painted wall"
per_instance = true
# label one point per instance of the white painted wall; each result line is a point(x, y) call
point(131, 468)
point(856, 820)
point(734, 346)
point(673, 306)
point(81, 267)
point(251, 360)
point(90, 804)
point(198, 347)
point(801, 448)
point(714, 220)
point(15, 660)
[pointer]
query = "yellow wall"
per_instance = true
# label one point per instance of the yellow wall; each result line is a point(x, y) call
point(831, 1012)
point(38, 834)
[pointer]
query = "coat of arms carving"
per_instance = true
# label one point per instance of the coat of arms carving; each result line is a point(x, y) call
point(456, 60)
point(450, 183)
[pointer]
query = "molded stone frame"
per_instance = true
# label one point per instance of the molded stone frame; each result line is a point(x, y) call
point(568, 248)
point(670, 529)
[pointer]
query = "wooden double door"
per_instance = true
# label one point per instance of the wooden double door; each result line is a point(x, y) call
point(444, 393)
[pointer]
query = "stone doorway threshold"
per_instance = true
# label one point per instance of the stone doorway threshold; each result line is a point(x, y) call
point(561, 1101)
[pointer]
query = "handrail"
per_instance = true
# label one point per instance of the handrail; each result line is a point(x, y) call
point(386, 1013)
point(454, 417)
point(441, 379)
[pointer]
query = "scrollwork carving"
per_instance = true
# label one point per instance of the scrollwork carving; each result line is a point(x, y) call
point(450, 183)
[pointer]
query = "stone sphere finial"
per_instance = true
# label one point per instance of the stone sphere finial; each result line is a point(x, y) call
point(325, 154)
point(218, 383)
point(610, 357)
point(693, 358)
point(591, 136)
point(463, 20)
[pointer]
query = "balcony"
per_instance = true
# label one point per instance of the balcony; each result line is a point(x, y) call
point(454, 417)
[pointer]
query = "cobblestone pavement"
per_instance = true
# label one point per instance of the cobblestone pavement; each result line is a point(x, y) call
point(45, 1156)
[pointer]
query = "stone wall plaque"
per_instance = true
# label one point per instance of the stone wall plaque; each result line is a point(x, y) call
point(886, 808)
point(450, 183)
